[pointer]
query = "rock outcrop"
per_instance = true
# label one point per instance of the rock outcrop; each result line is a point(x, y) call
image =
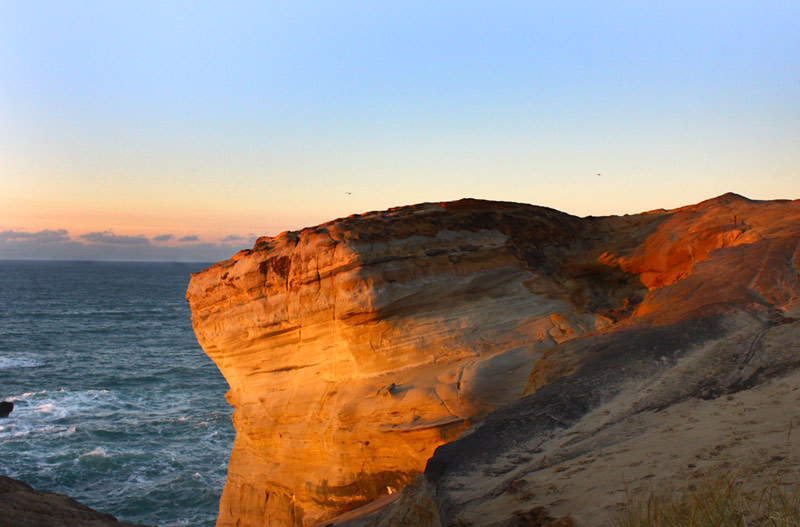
point(702, 377)
point(354, 349)
point(23, 506)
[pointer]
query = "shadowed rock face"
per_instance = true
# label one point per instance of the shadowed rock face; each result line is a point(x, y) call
point(22, 506)
point(356, 348)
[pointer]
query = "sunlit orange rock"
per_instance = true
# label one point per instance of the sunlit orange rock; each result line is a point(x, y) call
point(355, 348)
point(687, 235)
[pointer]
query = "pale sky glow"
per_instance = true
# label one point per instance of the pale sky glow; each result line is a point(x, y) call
point(210, 120)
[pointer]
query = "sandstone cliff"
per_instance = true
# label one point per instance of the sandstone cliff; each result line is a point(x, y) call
point(356, 348)
point(702, 377)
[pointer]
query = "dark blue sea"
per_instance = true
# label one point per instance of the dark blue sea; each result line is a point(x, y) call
point(115, 403)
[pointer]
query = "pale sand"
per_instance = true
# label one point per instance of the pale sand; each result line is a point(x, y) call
point(585, 470)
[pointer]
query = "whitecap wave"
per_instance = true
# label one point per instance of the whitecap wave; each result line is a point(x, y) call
point(29, 394)
point(9, 363)
point(56, 411)
point(12, 429)
point(97, 452)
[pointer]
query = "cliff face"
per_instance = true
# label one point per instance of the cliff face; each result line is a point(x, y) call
point(356, 348)
point(701, 377)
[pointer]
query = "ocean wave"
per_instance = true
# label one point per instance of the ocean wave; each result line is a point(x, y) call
point(26, 394)
point(50, 412)
point(97, 452)
point(131, 399)
point(12, 429)
point(44, 409)
point(9, 363)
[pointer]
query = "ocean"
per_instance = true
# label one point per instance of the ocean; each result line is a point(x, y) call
point(116, 404)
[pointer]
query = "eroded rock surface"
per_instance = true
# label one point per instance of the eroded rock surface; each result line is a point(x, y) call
point(702, 376)
point(356, 348)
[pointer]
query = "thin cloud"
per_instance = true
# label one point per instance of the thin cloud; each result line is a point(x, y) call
point(191, 238)
point(108, 237)
point(55, 244)
point(232, 238)
point(163, 237)
point(44, 236)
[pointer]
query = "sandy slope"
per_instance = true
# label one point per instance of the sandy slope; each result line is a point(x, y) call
point(586, 470)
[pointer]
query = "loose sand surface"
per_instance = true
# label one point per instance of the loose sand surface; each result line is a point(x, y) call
point(587, 471)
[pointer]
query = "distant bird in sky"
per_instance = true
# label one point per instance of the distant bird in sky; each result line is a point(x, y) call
point(349, 193)
point(599, 174)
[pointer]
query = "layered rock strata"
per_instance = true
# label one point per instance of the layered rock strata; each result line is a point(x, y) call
point(356, 348)
point(701, 378)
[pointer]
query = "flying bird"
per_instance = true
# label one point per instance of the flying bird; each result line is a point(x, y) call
point(348, 193)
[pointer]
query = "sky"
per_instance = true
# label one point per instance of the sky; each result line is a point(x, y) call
point(183, 130)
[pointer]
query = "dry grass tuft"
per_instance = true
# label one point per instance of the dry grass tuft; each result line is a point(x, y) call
point(716, 503)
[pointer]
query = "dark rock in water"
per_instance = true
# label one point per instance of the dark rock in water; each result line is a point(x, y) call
point(23, 506)
point(5, 408)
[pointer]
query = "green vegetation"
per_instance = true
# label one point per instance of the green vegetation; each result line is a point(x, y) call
point(722, 502)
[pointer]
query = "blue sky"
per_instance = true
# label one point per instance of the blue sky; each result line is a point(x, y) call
point(215, 120)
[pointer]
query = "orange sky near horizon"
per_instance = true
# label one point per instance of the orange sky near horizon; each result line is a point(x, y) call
point(213, 219)
point(215, 120)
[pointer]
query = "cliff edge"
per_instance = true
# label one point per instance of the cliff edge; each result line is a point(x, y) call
point(356, 348)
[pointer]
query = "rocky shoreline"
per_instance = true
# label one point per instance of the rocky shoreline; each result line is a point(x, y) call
point(23, 506)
